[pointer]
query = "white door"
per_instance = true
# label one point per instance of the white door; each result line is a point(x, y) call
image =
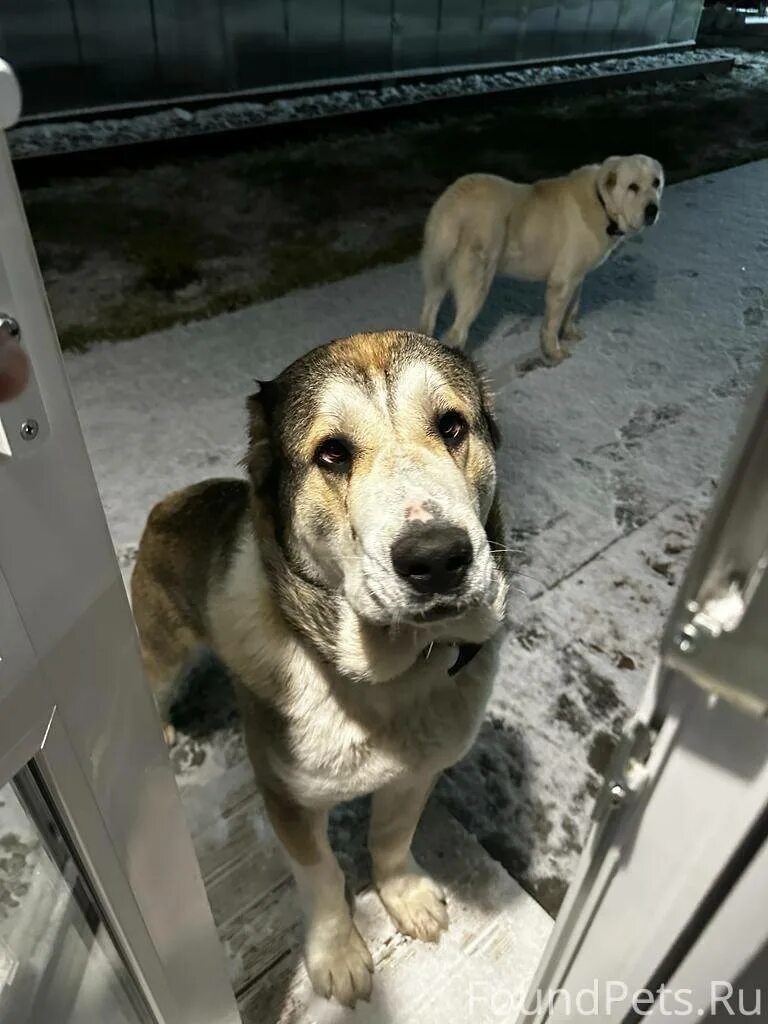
point(667, 917)
point(103, 916)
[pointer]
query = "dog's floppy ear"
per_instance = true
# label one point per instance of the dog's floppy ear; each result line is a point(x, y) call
point(259, 459)
point(607, 176)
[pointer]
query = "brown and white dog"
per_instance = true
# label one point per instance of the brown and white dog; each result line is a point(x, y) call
point(355, 585)
point(556, 231)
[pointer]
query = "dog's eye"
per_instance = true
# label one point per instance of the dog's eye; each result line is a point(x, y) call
point(656, 182)
point(452, 428)
point(333, 454)
point(634, 187)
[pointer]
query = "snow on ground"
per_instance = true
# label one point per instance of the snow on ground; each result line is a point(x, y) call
point(607, 466)
point(40, 139)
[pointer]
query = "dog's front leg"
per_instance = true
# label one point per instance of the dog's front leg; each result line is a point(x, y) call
point(560, 291)
point(415, 903)
point(570, 331)
point(338, 961)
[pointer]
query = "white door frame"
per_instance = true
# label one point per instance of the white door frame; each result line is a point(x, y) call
point(670, 891)
point(73, 700)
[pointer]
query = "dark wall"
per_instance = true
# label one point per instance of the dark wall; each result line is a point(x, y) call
point(72, 54)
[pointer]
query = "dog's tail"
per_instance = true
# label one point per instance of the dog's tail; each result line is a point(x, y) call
point(441, 240)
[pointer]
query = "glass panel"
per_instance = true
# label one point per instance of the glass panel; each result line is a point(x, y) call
point(685, 21)
point(367, 36)
point(572, 23)
point(631, 29)
point(537, 41)
point(602, 24)
point(57, 959)
point(659, 21)
point(414, 42)
point(460, 22)
point(502, 30)
point(316, 39)
point(257, 37)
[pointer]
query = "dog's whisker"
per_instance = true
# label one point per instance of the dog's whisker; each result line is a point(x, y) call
point(527, 576)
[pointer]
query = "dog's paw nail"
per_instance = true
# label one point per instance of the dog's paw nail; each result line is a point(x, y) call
point(341, 969)
point(417, 906)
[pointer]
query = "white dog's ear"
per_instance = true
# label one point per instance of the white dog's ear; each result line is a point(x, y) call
point(607, 177)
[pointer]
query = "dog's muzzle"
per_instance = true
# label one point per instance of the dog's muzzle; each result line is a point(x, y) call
point(651, 213)
point(432, 558)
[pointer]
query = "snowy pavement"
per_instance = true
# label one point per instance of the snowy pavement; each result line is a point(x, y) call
point(607, 465)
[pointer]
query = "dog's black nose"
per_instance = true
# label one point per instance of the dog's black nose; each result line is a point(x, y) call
point(651, 213)
point(432, 557)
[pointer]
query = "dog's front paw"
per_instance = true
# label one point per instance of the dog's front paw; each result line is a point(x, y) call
point(551, 349)
point(573, 333)
point(340, 966)
point(416, 904)
point(555, 356)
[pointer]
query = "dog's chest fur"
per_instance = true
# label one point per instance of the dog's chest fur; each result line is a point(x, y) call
point(326, 738)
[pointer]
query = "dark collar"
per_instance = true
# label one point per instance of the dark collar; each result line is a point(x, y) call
point(466, 653)
point(612, 230)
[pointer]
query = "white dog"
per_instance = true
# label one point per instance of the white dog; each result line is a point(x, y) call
point(555, 230)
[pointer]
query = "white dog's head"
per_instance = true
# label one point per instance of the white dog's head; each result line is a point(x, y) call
point(630, 188)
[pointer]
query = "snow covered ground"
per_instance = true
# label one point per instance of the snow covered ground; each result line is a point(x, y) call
point(608, 463)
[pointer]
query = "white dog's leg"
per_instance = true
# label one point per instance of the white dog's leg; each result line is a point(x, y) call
point(570, 331)
point(560, 291)
point(338, 961)
point(471, 274)
point(415, 903)
point(435, 287)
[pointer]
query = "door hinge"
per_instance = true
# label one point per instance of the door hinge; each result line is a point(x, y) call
point(627, 774)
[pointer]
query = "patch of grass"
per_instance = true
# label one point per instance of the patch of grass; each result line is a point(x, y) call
point(169, 262)
point(88, 219)
point(299, 262)
point(165, 245)
point(313, 257)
